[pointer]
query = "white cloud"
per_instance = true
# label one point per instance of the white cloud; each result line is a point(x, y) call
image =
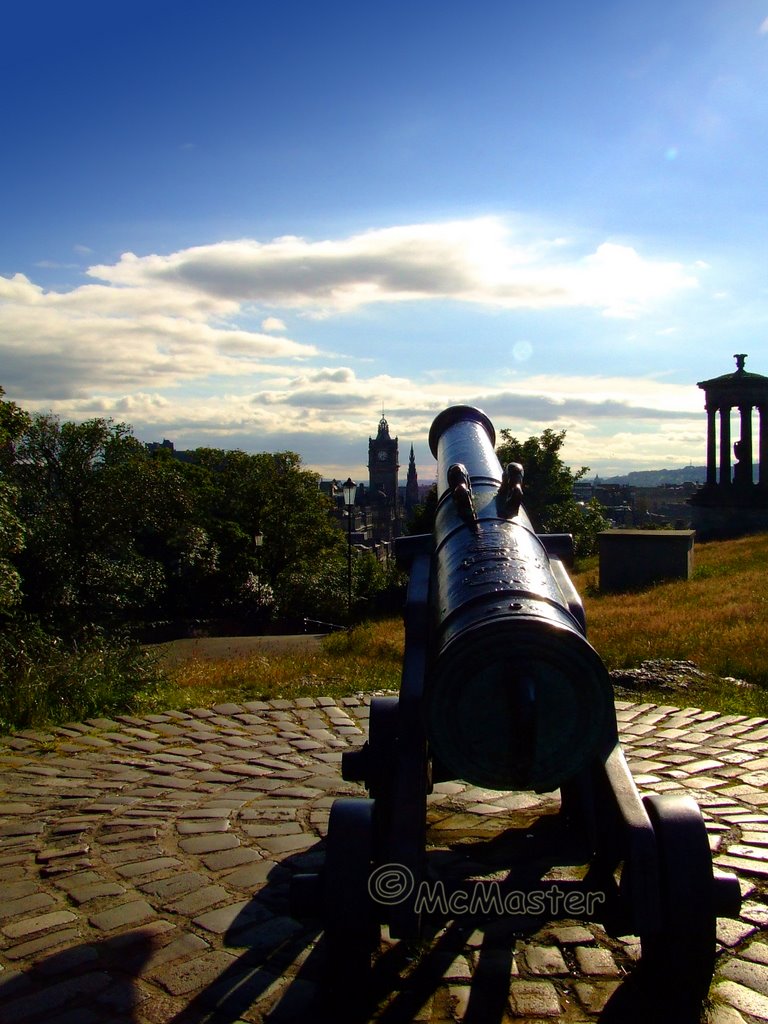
point(272, 323)
point(618, 280)
point(470, 261)
point(102, 337)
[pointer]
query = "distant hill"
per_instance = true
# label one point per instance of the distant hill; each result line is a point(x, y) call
point(660, 477)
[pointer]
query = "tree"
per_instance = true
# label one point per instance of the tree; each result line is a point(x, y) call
point(237, 495)
point(548, 488)
point(320, 590)
point(13, 422)
point(422, 518)
point(11, 543)
point(97, 530)
point(88, 496)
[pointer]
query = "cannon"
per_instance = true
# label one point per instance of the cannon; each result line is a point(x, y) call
point(501, 689)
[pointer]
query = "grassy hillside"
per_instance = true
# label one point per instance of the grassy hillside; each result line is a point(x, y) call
point(717, 619)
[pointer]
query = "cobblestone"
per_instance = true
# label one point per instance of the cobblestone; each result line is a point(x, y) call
point(40, 923)
point(596, 961)
point(545, 960)
point(181, 978)
point(745, 972)
point(534, 999)
point(14, 907)
point(742, 998)
point(144, 863)
point(125, 915)
point(33, 947)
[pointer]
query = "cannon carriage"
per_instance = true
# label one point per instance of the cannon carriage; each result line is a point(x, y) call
point(501, 689)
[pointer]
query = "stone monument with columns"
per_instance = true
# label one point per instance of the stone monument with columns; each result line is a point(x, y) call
point(733, 501)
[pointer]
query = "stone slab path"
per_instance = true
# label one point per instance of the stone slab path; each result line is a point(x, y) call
point(144, 869)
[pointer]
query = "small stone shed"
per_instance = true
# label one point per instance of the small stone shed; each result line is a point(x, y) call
point(631, 559)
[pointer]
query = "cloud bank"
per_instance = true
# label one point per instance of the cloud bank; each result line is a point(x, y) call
point(327, 415)
point(194, 345)
point(466, 261)
point(160, 321)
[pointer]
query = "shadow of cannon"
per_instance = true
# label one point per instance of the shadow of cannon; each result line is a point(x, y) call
point(287, 971)
point(281, 967)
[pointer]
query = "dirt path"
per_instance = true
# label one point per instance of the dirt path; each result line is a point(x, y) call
point(217, 648)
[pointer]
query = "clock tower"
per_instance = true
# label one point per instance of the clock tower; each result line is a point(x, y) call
point(383, 464)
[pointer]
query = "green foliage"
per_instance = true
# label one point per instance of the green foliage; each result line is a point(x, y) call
point(234, 496)
point(11, 543)
point(13, 422)
point(320, 589)
point(548, 488)
point(422, 518)
point(96, 529)
point(45, 679)
point(317, 589)
point(98, 534)
point(89, 497)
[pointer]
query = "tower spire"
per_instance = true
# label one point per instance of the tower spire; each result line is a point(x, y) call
point(411, 484)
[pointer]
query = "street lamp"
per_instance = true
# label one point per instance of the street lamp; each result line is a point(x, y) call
point(258, 540)
point(350, 489)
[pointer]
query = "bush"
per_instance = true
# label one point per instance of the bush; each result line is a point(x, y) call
point(45, 680)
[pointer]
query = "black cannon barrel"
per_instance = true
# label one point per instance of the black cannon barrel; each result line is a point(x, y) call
point(516, 697)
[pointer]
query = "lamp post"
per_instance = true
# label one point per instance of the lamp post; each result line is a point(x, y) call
point(258, 540)
point(350, 489)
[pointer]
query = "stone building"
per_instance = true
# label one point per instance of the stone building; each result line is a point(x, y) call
point(734, 499)
point(383, 495)
point(381, 506)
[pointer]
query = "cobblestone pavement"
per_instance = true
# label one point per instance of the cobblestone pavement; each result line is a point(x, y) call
point(144, 867)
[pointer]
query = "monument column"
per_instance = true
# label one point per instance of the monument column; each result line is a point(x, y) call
point(731, 502)
point(712, 446)
point(725, 445)
point(745, 412)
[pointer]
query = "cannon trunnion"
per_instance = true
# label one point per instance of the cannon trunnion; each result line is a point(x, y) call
point(500, 688)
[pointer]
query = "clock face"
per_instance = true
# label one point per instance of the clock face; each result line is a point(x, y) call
point(382, 456)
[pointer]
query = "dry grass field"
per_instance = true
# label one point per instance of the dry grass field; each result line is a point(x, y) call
point(717, 620)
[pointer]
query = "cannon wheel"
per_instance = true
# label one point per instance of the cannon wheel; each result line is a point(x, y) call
point(681, 956)
point(382, 749)
point(352, 930)
point(382, 741)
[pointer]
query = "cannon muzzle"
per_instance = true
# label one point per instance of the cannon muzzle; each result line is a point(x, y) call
point(516, 698)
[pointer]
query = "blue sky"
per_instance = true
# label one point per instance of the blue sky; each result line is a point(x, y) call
point(258, 224)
